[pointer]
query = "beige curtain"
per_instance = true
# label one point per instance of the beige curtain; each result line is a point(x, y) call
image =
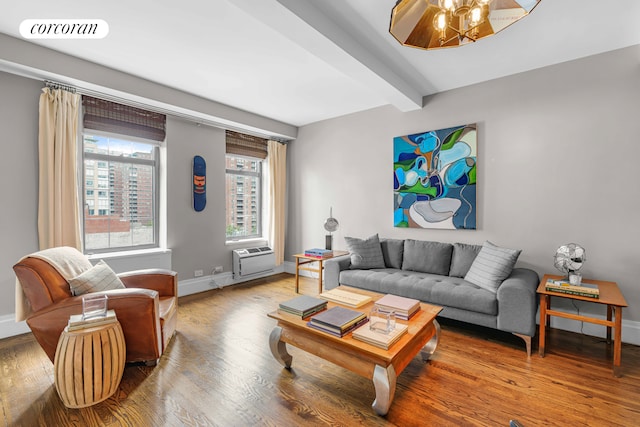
point(58, 205)
point(277, 159)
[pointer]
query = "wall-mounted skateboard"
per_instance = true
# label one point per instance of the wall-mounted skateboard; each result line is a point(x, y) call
point(199, 183)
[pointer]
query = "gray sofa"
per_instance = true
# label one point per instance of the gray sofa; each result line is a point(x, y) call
point(446, 275)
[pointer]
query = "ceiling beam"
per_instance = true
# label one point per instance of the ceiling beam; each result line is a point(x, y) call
point(304, 24)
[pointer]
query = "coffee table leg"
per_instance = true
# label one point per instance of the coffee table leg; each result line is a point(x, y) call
point(279, 348)
point(384, 381)
point(431, 345)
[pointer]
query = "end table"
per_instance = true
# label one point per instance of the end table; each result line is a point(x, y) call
point(302, 259)
point(89, 363)
point(610, 295)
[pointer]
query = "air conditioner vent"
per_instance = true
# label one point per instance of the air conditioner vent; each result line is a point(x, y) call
point(251, 262)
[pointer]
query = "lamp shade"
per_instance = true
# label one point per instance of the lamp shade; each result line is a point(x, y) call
point(435, 24)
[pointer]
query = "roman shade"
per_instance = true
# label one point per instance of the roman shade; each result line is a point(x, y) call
point(240, 144)
point(109, 116)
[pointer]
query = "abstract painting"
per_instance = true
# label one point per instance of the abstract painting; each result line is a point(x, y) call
point(434, 179)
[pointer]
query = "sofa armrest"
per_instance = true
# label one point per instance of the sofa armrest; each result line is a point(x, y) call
point(518, 302)
point(156, 279)
point(332, 269)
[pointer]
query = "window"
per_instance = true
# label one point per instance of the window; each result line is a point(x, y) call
point(241, 173)
point(244, 163)
point(120, 207)
point(121, 155)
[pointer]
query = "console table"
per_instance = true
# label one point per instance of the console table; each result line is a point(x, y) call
point(302, 260)
point(610, 296)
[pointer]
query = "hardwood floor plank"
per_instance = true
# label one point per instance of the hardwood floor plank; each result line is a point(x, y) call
point(218, 371)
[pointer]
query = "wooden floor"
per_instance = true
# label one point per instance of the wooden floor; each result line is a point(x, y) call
point(218, 371)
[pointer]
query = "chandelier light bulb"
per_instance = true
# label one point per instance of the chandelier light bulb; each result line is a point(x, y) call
point(441, 21)
point(476, 14)
point(447, 4)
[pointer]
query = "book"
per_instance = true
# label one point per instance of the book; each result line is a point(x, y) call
point(341, 296)
point(567, 290)
point(337, 319)
point(76, 321)
point(319, 253)
point(403, 307)
point(303, 305)
point(384, 341)
point(336, 332)
point(563, 284)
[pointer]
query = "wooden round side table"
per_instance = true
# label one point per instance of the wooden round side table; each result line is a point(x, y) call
point(89, 363)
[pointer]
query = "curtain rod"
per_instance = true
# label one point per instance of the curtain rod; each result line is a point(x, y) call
point(197, 120)
point(56, 85)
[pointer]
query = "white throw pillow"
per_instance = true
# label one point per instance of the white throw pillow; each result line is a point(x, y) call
point(98, 278)
point(492, 265)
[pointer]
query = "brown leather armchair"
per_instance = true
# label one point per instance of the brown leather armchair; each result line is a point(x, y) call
point(146, 309)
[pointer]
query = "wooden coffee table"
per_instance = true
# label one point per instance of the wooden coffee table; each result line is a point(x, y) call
point(381, 366)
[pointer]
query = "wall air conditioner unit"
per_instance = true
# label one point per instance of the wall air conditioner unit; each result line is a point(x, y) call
point(251, 262)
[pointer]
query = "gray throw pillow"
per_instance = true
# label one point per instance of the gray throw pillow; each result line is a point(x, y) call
point(392, 250)
point(492, 265)
point(427, 257)
point(98, 278)
point(463, 257)
point(365, 253)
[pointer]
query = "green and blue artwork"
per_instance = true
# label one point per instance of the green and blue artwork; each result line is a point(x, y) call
point(434, 179)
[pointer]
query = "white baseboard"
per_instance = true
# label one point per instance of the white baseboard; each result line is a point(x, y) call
point(630, 329)
point(206, 283)
point(9, 327)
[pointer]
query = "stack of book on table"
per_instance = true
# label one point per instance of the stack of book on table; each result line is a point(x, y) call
point(303, 306)
point(404, 308)
point(584, 289)
point(76, 321)
point(318, 253)
point(338, 321)
point(345, 297)
point(382, 340)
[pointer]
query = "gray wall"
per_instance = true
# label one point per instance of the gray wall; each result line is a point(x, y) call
point(18, 178)
point(197, 239)
point(557, 162)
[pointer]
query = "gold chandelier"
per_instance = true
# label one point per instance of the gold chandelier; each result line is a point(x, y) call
point(434, 24)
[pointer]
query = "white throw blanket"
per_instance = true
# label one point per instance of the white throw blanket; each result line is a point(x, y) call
point(68, 261)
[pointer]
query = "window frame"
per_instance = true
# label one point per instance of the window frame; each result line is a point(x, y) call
point(155, 186)
point(259, 198)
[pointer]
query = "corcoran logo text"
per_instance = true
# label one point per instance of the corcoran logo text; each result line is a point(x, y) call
point(64, 29)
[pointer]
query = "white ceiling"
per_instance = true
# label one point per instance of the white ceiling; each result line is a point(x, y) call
point(301, 61)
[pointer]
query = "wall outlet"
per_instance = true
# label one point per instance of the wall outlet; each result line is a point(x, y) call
point(198, 273)
point(218, 269)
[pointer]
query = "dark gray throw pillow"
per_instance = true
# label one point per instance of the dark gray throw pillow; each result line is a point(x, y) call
point(392, 250)
point(365, 253)
point(463, 257)
point(427, 257)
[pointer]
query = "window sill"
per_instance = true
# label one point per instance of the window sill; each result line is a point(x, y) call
point(244, 242)
point(127, 254)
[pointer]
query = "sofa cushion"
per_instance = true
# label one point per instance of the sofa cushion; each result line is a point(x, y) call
point(492, 265)
point(365, 253)
point(392, 250)
point(432, 288)
point(463, 257)
point(427, 257)
point(98, 278)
